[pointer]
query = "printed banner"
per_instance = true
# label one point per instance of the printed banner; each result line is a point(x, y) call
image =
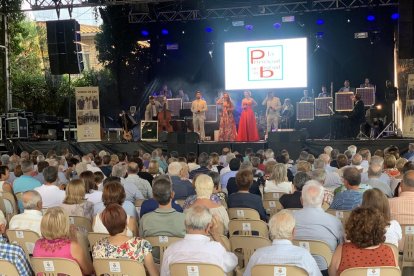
point(87, 114)
point(408, 126)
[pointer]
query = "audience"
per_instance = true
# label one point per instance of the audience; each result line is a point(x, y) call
point(351, 197)
point(232, 186)
point(234, 166)
point(25, 182)
point(32, 216)
point(294, 200)
point(282, 251)
point(374, 181)
point(278, 182)
point(402, 207)
point(197, 246)
point(51, 195)
point(91, 188)
point(4, 176)
point(58, 240)
point(365, 230)
point(182, 187)
point(203, 159)
point(143, 185)
point(75, 203)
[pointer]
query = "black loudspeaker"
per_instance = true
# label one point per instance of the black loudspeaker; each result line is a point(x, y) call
point(406, 29)
point(182, 138)
point(287, 136)
point(65, 50)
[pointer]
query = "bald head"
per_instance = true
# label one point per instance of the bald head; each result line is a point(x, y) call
point(32, 200)
point(312, 194)
point(133, 168)
point(325, 157)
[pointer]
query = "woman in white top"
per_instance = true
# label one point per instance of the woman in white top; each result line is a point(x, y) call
point(375, 198)
point(92, 193)
point(277, 182)
point(114, 192)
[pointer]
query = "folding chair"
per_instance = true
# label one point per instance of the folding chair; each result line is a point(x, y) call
point(408, 252)
point(81, 222)
point(318, 248)
point(272, 206)
point(162, 242)
point(407, 229)
point(55, 266)
point(190, 269)
point(364, 271)
point(272, 196)
point(243, 213)
point(248, 228)
point(138, 204)
point(94, 237)
point(247, 244)
point(342, 215)
point(394, 250)
point(260, 270)
point(26, 239)
point(8, 269)
point(8, 197)
point(118, 267)
point(180, 202)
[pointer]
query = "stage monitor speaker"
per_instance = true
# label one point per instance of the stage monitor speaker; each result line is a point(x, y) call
point(287, 136)
point(406, 29)
point(182, 138)
point(64, 47)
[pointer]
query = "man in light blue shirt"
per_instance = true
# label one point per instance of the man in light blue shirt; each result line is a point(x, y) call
point(351, 197)
point(234, 167)
point(282, 251)
point(313, 223)
point(25, 182)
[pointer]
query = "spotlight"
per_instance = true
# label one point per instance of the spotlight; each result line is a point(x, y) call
point(395, 16)
point(164, 32)
point(320, 21)
point(209, 29)
point(145, 33)
point(249, 27)
point(371, 17)
point(379, 107)
point(277, 25)
point(348, 20)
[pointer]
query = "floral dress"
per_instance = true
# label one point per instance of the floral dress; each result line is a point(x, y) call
point(134, 249)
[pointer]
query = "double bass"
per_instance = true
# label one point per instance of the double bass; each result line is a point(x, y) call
point(164, 120)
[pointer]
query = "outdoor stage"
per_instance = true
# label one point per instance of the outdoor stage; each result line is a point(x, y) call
point(294, 146)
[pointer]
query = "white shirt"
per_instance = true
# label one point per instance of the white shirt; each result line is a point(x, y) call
point(365, 165)
point(29, 220)
point(193, 166)
point(51, 195)
point(283, 252)
point(92, 168)
point(143, 185)
point(94, 196)
point(198, 248)
point(284, 187)
point(394, 233)
point(332, 181)
point(225, 170)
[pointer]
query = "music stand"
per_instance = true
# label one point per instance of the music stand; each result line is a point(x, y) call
point(185, 114)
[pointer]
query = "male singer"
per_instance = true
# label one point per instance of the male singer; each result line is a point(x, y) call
point(273, 107)
point(199, 108)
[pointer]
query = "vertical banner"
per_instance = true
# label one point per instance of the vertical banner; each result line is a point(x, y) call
point(87, 114)
point(408, 129)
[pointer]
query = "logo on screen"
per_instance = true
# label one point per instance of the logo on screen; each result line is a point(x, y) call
point(265, 63)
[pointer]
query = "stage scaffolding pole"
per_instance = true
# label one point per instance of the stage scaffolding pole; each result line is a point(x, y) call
point(6, 66)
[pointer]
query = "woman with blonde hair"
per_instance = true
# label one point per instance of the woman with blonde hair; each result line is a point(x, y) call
point(277, 182)
point(204, 187)
point(59, 242)
point(185, 171)
point(75, 203)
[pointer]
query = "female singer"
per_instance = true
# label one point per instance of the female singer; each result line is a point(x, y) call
point(227, 131)
point(247, 124)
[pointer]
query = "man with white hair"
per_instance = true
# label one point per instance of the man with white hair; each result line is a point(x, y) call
point(366, 158)
point(282, 251)
point(327, 160)
point(374, 174)
point(11, 252)
point(133, 179)
point(375, 163)
point(197, 247)
point(226, 168)
point(32, 216)
point(353, 149)
point(5, 159)
point(313, 223)
point(327, 150)
point(269, 155)
point(182, 188)
point(356, 162)
point(332, 179)
point(89, 165)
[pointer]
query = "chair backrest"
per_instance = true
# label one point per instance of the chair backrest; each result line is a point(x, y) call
point(162, 242)
point(138, 202)
point(118, 267)
point(408, 252)
point(243, 213)
point(10, 198)
point(248, 227)
point(272, 196)
point(93, 237)
point(407, 229)
point(318, 248)
point(81, 222)
point(191, 269)
point(272, 206)
point(325, 206)
point(260, 270)
point(55, 266)
point(8, 269)
point(380, 271)
point(342, 215)
point(225, 240)
point(19, 196)
point(394, 250)
point(26, 239)
point(248, 244)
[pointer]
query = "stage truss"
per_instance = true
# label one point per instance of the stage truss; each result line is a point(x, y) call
point(177, 13)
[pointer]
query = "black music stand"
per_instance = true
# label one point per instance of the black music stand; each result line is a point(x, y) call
point(186, 114)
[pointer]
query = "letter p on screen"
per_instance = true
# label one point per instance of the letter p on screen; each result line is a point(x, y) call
point(256, 54)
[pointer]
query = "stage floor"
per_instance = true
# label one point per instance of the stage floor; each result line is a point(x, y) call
point(313, 146)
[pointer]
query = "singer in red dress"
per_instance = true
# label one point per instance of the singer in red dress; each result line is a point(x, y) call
point(247, 124)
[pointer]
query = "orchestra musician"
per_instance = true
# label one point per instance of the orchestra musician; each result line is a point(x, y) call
point(366, 84)
point(324, 92)
point(152, 109)
point(165, 92)
point(357, 116)
point(273, 107)
point(199, 108)
point(306, 97)
point(346, 87)
point(183, 96)
point(288, 112)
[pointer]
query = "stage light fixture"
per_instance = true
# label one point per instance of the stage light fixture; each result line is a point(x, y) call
point(320, 21)
point(395, 16)
point(249, 27)
point(164, 32)
point(348, 20)
point(209, 29)
point(371, 17)
point(277, 25)
point(145, 33)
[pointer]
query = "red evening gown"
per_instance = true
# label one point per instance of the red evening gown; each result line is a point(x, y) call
point(247, 124)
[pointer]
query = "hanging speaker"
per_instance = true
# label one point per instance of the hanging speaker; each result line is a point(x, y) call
point(64, 47)
point(406, 29)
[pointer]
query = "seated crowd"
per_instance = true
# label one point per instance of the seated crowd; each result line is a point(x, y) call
point(133, 198)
